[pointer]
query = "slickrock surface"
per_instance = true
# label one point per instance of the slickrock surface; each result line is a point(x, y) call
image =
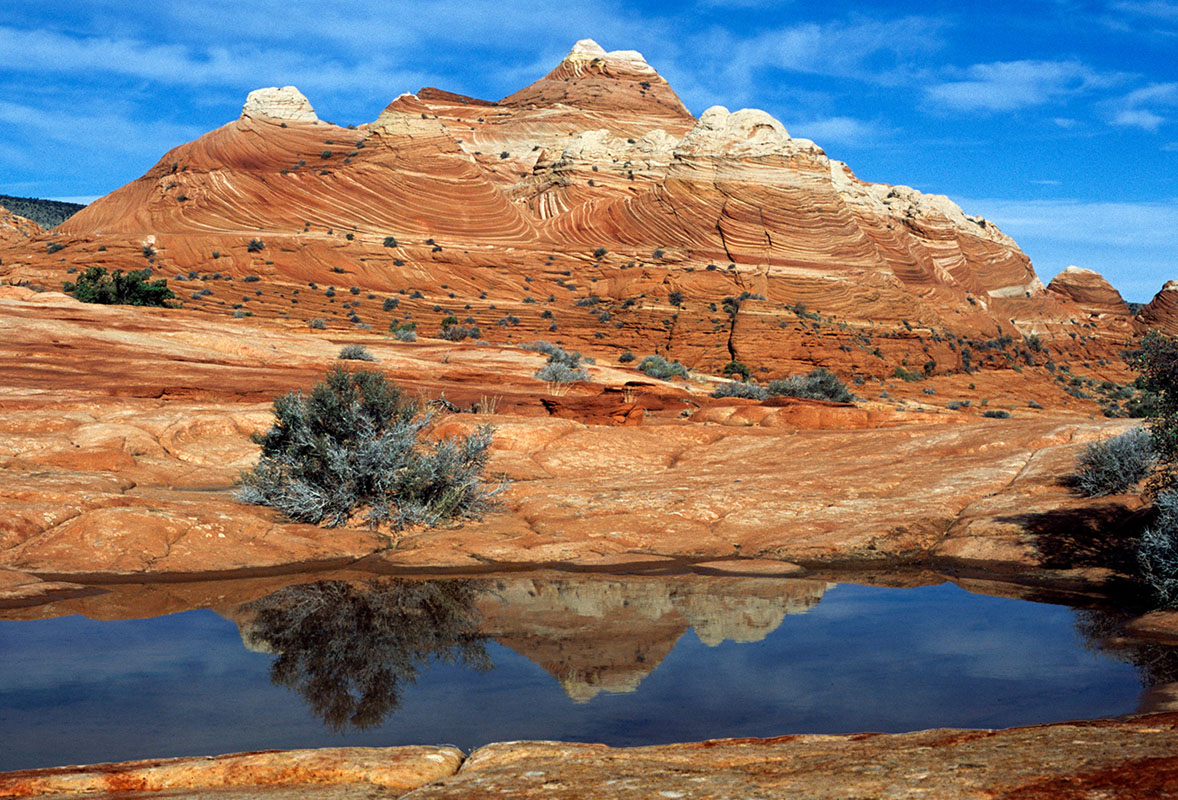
point(593, 207)
point(1109, 759)
point(1162, 311)
point(344, 772)
point(1089, 290)
point(125, 430)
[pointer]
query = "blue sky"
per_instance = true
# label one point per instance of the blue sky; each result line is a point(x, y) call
point(1056, 119)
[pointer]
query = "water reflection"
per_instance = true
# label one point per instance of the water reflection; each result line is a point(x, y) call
point(1103, 630)
point(350, 648)
point(607, 635)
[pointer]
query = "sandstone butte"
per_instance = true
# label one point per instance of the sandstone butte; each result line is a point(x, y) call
point(593, 210)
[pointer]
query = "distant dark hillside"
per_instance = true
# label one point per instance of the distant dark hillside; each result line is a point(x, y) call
point(46, 213)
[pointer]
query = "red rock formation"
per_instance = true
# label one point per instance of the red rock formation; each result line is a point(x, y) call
point(1089, 290)
point(15, 229)
point(593, 183)
point(1162, 312)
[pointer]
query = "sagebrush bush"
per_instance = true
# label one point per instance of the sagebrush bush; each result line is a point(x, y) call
point(1157, 552)
point(456, 333)
point(1114, 465)
point(996, 414)
point(356, 352)
point(564, 366)
point(556, 372)
point(659, 367)
point(316, 324)
point(405, 335)
point(353, 447)
point(740, 389)
point(818, 384)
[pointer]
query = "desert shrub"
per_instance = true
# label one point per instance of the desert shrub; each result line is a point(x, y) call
point(658, 367)
point(1114, 465)
point(600, 252)
point(740, 389)
point(353, 447)
point(1157, 552)
point(390, 241)
point(557, 372)
point(405, 335)
point(953, 405)
point(996, 414)
point(736, 368)
point(355, 352)
point(390, 303)
point(564, 366)
point(818, 384)
point(675, 298)
point(255, 246)
point(626, 357)
point(252, 278)
point(456, 333)
point(133, 288)
point(316, 324)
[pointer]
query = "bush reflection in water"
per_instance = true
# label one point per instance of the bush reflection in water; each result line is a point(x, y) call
point(350, 648)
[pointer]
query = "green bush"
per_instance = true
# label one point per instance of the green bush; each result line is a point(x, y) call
point(735, 368)
point(659, 367)
point(996, 414)
point(354, 446)
point(255, 245)
point(120, 288)
point(818, 384)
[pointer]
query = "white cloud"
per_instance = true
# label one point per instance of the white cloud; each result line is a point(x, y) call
point(1139, 118)
point(103, 130)
point(1012, 85)
point(838, 130)
point(1047, 182)
point(1139, 108)
point(1156, 9)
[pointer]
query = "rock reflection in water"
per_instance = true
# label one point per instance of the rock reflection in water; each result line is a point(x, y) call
point(350, 648)
point(606, 634)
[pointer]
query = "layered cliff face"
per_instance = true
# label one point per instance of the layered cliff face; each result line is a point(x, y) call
point(590, 206)
point(1161, 313)
point(14, 229)
point(1090, 291)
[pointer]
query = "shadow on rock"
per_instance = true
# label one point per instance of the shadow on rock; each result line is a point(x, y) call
point(350, 648)
point(1103, 536)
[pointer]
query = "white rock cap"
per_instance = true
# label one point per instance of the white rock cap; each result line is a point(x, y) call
point(587, 50)
point(287, 103)
point(748, 132)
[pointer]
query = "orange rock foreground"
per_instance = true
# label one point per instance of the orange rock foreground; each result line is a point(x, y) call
point(1129, 758)
point(124, 431)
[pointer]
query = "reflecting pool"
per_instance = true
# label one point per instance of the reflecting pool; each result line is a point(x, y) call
point(626, 661)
